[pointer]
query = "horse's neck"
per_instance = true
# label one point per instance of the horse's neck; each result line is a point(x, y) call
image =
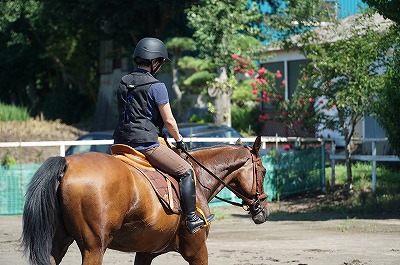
point(222, 162)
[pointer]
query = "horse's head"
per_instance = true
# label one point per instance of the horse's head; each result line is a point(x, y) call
point(249, 182)
point(239, 168)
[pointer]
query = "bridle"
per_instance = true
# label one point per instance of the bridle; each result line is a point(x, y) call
point(253, 204)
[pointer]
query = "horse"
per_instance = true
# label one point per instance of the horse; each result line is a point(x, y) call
point(100, 202)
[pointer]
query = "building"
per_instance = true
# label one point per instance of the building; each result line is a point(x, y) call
point(289, 63)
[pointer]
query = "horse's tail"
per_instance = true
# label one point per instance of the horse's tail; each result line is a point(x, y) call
point(41, 210)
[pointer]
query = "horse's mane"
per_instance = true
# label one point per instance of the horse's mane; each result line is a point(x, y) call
point(214, 147)
point(208, 147)
point(223, 151)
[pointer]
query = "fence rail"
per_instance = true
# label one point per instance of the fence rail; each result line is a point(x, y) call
point(373, 158)
point(63, 144)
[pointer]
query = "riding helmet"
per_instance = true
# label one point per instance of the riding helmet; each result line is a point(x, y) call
point(150, 48)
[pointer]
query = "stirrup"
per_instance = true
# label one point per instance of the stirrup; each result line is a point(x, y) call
point(207, 219)
point(200, 221)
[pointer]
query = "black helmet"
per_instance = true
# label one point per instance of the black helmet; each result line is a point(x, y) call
point(150, 48)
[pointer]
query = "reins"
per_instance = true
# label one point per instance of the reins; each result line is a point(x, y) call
point(248, 201)
point(220, 181)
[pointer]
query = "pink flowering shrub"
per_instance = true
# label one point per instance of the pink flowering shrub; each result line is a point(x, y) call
point(296, 114)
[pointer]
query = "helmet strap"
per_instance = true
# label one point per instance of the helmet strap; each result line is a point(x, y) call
point(153, 70)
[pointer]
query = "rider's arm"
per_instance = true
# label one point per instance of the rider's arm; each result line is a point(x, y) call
point(169, 120)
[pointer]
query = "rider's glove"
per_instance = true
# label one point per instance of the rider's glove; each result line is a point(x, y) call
point(181, 145)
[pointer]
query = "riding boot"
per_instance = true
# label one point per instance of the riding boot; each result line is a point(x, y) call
point(188, 191)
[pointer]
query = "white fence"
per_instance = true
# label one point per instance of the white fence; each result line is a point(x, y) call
point(64, 144)
point(370, 158)
point(271, 140)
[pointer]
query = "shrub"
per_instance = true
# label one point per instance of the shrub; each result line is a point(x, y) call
point(386, 109)
point(245, 119)
point(13, 113)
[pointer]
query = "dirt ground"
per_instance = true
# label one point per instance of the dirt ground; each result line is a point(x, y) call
point(287, 238)
point(31, 131)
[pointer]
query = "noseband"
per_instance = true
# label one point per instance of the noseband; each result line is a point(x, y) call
point(253, 204)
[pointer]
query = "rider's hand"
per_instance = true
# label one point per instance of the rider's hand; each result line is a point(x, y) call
point(181, 145)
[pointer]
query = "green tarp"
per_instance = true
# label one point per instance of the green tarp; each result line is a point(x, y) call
point(14, 180)
point(288, 173)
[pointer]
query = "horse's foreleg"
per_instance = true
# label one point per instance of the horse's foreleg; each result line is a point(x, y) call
point(200, 258)
point(193, 248)
point(142, 258)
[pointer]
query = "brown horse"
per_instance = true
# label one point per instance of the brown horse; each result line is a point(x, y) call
point(101, 202)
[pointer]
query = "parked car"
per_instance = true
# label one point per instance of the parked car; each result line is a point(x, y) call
point(198, 130)
point(187, 130)
point(98, 135)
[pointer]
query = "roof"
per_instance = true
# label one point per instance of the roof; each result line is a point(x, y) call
point(344, 29)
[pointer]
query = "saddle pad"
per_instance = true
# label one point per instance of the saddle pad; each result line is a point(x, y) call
point(165, 186)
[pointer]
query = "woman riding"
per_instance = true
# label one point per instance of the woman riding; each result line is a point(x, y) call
point(144, 109)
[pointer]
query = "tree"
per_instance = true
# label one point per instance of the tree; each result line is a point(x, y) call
point(344, 74)
point(386, 110)
point(222, 28)
point(387, 8)
point(49, 61)
point(294, 17)
point(176, 46)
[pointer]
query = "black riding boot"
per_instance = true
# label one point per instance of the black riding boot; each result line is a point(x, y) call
point(188, 191)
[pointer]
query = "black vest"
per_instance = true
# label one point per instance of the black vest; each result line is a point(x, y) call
point(133, 124)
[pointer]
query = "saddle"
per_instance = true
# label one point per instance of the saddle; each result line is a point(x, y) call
point(165, 186)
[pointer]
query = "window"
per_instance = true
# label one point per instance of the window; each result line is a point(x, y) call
point(292, 76)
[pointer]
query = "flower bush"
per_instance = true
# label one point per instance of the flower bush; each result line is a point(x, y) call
point(297, 114)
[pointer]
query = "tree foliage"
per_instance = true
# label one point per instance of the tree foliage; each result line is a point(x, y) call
point(220, 27)
point(388, 8)
point(294, 17)
point(49, 50)
point(386, 110)
point(344, 75)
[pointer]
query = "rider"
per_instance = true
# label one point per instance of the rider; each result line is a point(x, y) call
point(144, 109)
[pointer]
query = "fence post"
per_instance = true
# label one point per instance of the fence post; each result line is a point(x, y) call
point(333, 166)
point(373, 166)
point(62, 149)
point(323, 166)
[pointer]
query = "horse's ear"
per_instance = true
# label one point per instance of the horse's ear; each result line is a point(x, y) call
point(238, 142)
point(257, 145)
